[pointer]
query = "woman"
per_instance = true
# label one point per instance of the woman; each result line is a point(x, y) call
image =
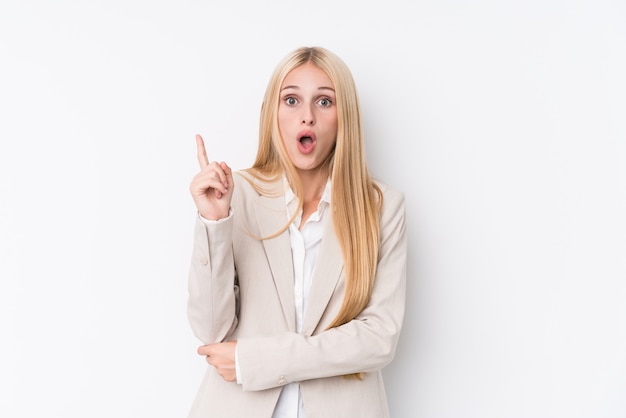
point(297, 279)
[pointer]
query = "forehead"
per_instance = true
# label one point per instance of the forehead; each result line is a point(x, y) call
point(307, 74)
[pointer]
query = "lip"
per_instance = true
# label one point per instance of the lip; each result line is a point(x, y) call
point(308, 147)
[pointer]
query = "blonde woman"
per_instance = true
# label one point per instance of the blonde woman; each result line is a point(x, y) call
point(297, 278)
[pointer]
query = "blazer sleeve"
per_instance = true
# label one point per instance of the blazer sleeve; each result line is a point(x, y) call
point(213, 298)
point(365, 344)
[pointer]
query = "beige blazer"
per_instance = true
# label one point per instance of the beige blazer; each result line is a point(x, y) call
point(241, 288)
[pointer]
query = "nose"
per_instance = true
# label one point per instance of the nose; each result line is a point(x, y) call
point(307, 116)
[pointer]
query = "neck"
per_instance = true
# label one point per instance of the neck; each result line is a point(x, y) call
point(313, 184)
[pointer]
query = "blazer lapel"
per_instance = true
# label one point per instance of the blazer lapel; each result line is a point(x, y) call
point(271, 216)
point(328, 268)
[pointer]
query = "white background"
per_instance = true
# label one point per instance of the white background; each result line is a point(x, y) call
point(503, 122)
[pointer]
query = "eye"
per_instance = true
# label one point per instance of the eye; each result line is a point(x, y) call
point(291, 101)
point(325, 102)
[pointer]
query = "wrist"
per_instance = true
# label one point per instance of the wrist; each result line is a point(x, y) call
point(214, 216)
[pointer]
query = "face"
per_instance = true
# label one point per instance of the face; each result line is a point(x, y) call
point(307, 117)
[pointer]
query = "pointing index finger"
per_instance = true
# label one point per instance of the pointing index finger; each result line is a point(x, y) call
point(203, 160)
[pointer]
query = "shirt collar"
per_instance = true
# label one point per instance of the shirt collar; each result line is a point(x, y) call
point(291, 197)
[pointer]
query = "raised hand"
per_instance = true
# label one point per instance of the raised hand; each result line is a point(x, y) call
point(212, 188)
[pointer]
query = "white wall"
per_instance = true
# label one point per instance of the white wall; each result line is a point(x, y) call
point(502, 121)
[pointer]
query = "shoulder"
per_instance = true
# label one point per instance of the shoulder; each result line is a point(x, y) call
point(392, 219)
point(243, 181)
point(255, 184)
point(393, 198)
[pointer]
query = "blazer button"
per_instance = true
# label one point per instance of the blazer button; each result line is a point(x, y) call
point(282, 380)
point(204, 261)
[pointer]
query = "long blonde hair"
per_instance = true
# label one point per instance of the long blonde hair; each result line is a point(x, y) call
point(355, 198)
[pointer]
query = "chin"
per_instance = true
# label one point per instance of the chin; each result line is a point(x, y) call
point(305, 167)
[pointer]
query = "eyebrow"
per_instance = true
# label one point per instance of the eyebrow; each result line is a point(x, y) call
point(298, 88)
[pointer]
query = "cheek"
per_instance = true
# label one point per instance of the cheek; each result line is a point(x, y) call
point(332, 125)
point(332, 120)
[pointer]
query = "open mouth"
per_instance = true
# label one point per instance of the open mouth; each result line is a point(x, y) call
point(306, 141)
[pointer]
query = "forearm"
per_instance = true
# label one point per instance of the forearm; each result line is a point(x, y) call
point(213, 292)
point(354, 347)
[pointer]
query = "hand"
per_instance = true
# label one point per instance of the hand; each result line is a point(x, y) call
point(222, 357)
point(212, 188)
